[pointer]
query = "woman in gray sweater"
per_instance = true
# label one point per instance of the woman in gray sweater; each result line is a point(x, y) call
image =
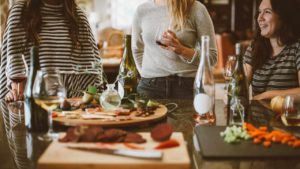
point(168, 65)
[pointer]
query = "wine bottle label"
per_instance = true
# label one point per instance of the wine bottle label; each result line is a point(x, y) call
point(121, 89)
point(202, 103)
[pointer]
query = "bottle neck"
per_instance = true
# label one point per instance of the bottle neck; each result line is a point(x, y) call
point(205, 51)
point(128, 41)
point(34, 66)
point(239, 57)
point(239, 63)
point(110, 87)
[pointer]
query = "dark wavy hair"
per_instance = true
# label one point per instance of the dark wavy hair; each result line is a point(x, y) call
point(288, 33)
point(31, 20)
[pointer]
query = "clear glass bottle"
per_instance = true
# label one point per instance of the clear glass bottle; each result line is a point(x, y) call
point(110, 98)
point(204, 87)
point(237, 110)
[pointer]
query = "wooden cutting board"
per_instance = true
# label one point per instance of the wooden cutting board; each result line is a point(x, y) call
point(58, 156)
point(159, 114)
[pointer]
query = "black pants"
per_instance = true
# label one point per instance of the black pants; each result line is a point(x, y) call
point(170, 87)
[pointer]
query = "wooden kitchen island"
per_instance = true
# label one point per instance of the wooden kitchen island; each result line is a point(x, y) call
point(20, 149)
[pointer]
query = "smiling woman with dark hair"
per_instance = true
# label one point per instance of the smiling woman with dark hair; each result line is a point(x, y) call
point(272, 62)
point(61, 31)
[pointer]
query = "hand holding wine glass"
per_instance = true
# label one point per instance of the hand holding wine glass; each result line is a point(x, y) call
point(16, 73)
point(159, 34)
point(48, 93)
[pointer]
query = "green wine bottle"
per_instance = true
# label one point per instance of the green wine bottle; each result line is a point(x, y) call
point(238, 91)
point(36, 118)
point(128, 70)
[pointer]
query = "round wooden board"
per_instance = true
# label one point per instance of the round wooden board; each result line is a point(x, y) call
point(159, 113)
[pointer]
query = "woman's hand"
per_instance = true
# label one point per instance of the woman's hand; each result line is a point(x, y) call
point(260, 96)
point(272, 93)
point(172, 43)
point(13, 95)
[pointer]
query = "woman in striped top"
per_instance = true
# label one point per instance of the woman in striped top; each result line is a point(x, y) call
point(65, 41)
point(272, 62)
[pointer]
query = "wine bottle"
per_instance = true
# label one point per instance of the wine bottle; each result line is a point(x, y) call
point(204, 87)
point(238, 90)
point(36, 118)
point(128, 68)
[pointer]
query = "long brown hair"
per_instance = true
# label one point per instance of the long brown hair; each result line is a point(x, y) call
point(179, 11)
point(288, 32)
point(32, 20)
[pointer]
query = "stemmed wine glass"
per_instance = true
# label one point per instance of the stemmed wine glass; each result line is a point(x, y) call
point(229, 68)
point(162, 28)
point(48, 92)
point(17, 72)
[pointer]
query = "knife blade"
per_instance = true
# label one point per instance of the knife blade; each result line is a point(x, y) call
point(156, 155)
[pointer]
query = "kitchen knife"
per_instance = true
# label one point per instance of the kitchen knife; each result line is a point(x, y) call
point(144, 154)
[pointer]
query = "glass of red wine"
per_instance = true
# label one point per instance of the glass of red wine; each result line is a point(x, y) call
point(162, 28)
point(291, 109)
point(17, 72)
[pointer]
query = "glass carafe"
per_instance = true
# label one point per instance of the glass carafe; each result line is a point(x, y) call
point(237, 112)
point(110, 98)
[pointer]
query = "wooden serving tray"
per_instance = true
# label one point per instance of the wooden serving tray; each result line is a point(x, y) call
point(159, 114)
point(57, 155)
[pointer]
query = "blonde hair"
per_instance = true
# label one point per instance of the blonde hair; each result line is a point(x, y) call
point(179, 11)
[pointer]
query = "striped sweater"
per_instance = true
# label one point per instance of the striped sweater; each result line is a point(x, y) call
point(55, 49)
point(278, 73)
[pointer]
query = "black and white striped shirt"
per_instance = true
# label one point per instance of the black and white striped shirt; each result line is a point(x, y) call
point(279, 72)
point(55, 50)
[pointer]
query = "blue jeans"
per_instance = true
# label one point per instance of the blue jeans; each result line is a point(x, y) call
point(170, 87)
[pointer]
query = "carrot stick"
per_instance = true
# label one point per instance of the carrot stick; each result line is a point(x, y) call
point(267, 143)
point(167, 144)
point(134, 146)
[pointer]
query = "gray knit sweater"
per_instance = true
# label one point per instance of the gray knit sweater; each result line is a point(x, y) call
point(151, 60)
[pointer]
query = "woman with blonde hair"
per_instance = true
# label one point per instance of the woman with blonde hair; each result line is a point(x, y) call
point(168, 63)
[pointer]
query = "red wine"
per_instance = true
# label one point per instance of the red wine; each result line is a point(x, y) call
point(293, 120)
point(291, 115)
point(160, 44)
point(18, 78)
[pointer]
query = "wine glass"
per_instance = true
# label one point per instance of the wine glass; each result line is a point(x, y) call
point(17, 72)
point(229, 68)
point(291, 109)
point(48, 93)
point(228, 73)
point(162, 28)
